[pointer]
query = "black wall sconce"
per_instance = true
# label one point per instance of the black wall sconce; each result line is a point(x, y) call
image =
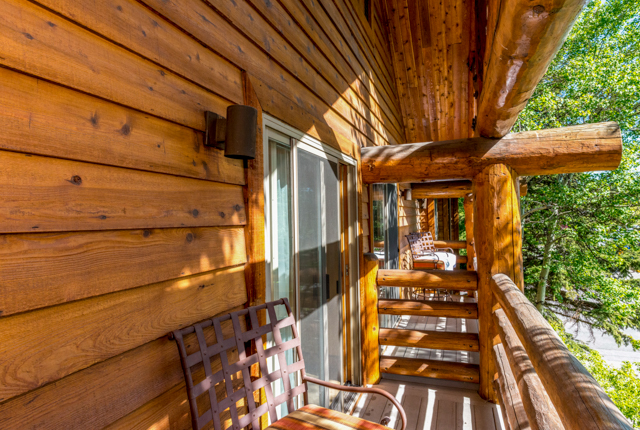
point(236, 133)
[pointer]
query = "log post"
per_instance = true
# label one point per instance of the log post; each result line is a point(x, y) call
point(540, 411)
point(431, 217)
point(580, 401)
point(468, 225)
point(370, 344)
point(498, 248)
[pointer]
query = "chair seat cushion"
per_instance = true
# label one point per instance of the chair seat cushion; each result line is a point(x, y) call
point(311, 417)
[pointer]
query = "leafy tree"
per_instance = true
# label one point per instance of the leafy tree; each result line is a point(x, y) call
point(582, 231)
point(581, 241)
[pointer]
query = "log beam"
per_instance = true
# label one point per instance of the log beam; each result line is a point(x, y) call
point(581, 148)
point(509, 396)
point(537, 405)
point(428, 308)
point(526, 39)
point(429, 339)
point(440, 190)
point(453, 244)
point(458, 280)
point(497, 233)
point(430, 368)
point(580, 401)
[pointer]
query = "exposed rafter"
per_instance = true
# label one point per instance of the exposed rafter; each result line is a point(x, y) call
point(527, 36)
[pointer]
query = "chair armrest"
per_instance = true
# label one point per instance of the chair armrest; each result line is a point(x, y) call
point(449, 250)
point(403, 415)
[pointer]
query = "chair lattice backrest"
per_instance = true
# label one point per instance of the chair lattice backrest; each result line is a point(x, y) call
point(217, 361)
point(421, 244)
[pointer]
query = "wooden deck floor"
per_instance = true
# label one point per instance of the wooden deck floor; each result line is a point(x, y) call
point(431, 407)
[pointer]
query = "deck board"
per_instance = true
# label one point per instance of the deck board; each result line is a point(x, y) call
point(431, 407)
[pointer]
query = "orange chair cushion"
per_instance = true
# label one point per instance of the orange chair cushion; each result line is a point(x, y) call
point(312, 417)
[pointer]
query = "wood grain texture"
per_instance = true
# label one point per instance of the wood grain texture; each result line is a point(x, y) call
point(468, 226)
point(579, 400)
point(219, 31)
point(535, 400)
point(453, 244)
point(371, 328)
point(41, 118)
point(128, 23)
point(511, 400)
point(581, 148)
point(34, 358)
point(254, 202)
point(526, 39)
point(101, 394)
point(429, 368)
point(445, 279)
point(48, 194)
point(46, 269)
point(498, 245)
point(451, 341)
point(440, 190)
point(125, 383)
point(43, 44)
point(427, 308)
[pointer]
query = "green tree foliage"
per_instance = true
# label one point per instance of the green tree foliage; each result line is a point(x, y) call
point(585, 228)
point(582, 231)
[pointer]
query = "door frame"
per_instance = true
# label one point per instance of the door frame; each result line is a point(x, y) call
point(297, 140)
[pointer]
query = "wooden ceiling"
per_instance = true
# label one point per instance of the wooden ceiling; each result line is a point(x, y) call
point(466, 68)
point(434, 51)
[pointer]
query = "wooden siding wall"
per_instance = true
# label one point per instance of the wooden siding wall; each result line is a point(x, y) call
point(117, 225)
point(409, 217)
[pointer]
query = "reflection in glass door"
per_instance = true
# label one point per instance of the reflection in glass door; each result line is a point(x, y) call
point(319, 262)
point(311, 255)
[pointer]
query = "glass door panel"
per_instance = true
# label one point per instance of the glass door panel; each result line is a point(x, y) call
point(320, 273)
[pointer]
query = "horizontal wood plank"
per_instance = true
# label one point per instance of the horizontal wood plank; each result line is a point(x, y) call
point(452, 341)
point(49, 194)
point(38, 42)
point(215, 31)
point(46, 269)
point(128, 23)
point(432, 308)
point(38, 117)
point(430, 368)
point(101, 394)
point(33, 358)
point(443, 279)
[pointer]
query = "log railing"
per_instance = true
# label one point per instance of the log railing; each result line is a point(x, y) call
point(374, 336)
point(540, 384)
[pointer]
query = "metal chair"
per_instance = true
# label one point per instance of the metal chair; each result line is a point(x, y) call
point(423, 247)
point(217, 359)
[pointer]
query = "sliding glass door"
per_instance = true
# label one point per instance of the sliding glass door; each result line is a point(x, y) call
point(311, 224)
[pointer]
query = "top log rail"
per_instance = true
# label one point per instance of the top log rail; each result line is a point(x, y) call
point(579, 400)
point(527, 37)
point(441, 190)
point(581, 148)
